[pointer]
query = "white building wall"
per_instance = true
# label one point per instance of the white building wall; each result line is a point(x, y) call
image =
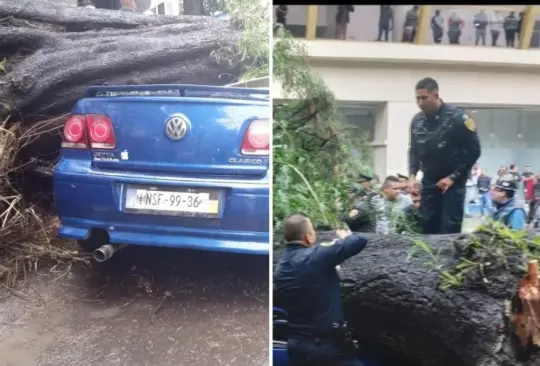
point(385, 75)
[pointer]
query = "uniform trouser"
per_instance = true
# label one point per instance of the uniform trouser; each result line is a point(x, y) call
point(453, 37)
point(308, 352)
point(341, 30)
point(384, 29)
point(480, 36)
point(494, 36)
point(510, 36)
point(442, 213)
point(437, 35)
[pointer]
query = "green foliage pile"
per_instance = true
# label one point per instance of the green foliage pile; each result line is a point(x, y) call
point(254, 18)
point(491, 251)
point(313, 160)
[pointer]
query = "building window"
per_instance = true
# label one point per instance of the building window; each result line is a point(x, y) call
point(508, 136)
point(161, 9)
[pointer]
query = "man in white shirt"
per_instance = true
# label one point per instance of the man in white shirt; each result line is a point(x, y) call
point(390, 205)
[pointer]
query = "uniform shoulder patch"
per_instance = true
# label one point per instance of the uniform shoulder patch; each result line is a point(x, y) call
point(328, 243)
point(469, 123)
point(353, 213)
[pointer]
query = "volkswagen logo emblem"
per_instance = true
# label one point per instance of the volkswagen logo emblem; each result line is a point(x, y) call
point(176, 127)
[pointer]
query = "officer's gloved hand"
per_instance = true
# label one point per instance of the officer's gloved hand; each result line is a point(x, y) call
point(342, 234)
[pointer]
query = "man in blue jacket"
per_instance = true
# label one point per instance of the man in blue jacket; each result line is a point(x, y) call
point(307, 283)
point(508, 211)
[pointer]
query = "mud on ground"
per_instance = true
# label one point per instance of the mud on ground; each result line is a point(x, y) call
point(144, 307)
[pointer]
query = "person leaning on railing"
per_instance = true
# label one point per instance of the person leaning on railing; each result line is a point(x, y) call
point(342, 20)
point(128, 5)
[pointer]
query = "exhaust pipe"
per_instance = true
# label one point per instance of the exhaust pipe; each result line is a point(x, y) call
point(106, 251)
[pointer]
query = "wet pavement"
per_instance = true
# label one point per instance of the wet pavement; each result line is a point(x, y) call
point(144, 307)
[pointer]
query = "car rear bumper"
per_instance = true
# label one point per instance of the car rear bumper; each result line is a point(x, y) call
point(88, 200)
point(239, 242)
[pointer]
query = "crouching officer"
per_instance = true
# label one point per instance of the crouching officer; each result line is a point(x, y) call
point(508, 211)
point(307, 282)
point(444, 143)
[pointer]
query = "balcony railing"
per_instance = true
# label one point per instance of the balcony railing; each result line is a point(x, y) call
point(516, 26)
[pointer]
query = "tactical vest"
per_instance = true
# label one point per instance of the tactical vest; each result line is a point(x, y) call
point(504, 212)
point(511, 23)
point(435, 146)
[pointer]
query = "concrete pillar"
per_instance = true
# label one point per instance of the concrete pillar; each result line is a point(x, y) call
point(527, 28)
point(311, 24)
point(379, 141)
point(424, 24)
point(398, 120)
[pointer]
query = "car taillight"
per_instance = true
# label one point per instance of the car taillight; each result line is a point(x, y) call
point(257, 138)
point(93, 130)
point(100, 131)
point(75, 133)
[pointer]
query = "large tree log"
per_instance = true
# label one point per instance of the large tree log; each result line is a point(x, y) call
point(396, 301)
point(49, 68)
point(58, 13)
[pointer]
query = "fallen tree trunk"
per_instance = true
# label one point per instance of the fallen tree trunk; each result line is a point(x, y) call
point(58, 13)
point(48, 68)
point(395, 300)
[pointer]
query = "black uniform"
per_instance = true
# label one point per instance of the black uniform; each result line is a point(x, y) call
point(443, 145)
point(361, 218)
point(413, 220)
point(307, 283)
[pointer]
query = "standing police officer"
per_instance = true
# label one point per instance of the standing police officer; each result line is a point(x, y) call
point(445, 145)
point(307, 283)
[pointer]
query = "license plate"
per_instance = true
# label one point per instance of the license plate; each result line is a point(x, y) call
point(187, 202)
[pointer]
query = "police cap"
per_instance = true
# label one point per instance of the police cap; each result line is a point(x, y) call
point(506, 184)
point(363, 178)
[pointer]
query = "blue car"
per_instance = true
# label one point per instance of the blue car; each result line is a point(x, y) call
point(181, 166)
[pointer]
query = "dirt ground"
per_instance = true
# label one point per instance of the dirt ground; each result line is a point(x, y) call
point(144, 307)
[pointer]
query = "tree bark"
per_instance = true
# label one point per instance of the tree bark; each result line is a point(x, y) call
point(48, 68)
point(396, 301)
